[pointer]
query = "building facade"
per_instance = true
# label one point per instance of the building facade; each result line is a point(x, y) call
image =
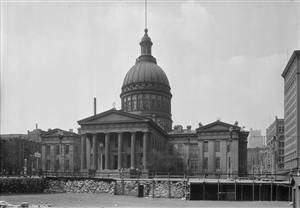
point(275, 145)
point(256, 161)
point(60, 151)
point(128, 139)
point(256, 139)
point(291, 75)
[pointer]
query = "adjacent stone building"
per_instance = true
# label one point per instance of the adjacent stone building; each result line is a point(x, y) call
point(60, 152)
point(291, 75)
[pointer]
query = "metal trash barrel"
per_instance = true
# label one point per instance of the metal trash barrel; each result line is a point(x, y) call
point(140, 191)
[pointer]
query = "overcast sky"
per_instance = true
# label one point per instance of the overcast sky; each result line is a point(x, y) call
point(223, 59)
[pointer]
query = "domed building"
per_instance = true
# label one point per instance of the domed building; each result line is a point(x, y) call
point(125, 139)
point(146, 90)
point(128, 139)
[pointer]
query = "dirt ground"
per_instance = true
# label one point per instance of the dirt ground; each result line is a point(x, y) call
point(107, 200)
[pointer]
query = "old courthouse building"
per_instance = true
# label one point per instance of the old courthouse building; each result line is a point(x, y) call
point(124, 139)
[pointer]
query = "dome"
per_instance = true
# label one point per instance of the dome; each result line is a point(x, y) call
point(146, 71)
point(146, 90)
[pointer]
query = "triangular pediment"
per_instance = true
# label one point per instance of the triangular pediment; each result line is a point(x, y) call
point(111, 116)
point(217, 126)
point(57, 133)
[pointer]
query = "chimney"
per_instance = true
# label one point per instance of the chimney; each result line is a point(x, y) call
point(200, 124)
point(71, 130)
point(95, 106)
point(36, 126)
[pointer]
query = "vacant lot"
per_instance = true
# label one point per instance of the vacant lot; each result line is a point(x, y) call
point(107, 200)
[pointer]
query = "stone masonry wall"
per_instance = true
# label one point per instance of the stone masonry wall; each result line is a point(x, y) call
point(155, 189)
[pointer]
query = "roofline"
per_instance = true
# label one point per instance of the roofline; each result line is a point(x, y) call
point(295, 54)
point(47, 134)
point(80, 122)
point(221, 122)
point(182, 134)
point(141, 118)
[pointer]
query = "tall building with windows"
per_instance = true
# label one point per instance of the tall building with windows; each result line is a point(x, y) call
point(291, 75)
point(275, 146)
point(256, 139)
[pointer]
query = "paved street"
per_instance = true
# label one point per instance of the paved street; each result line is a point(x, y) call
point(107, 200)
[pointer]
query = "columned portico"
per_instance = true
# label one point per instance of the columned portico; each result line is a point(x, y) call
point(132, 163)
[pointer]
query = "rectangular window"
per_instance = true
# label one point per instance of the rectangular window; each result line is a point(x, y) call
point(128, 161)
point(67, 164)
point(129, 142)
point(56, 149)
point(116, 143)
point(56, 166)
point(217, 163)
point(180, 149)
point(205, 146)
point(48, 165)
point(205, 163)
point(141, 143)
point(217, 146)
point(67, 148)
point(228, 147)
point(47, 149)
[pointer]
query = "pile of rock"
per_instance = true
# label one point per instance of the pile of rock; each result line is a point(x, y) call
point(161, 190)
point(80, 186)
point(177, 190)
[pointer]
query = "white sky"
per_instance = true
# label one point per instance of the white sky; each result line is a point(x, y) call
point(224, 59)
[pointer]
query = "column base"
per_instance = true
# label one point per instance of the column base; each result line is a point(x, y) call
point(84, 172)
point(107, 173)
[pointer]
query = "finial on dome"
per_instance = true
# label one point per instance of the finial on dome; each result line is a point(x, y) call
point(146, 30)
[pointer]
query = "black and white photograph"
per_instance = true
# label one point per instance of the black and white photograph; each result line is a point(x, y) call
point(150, 103)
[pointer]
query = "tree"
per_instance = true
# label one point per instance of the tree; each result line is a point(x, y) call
point(163, 162)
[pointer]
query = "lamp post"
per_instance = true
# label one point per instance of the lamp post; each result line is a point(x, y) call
point(101, 149)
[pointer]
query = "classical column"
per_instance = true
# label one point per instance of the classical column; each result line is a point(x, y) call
point(107, 151)
point(200, 164)
point(82, 152)
point(94, 152)
point(119, 150)
point(88, 152)
point(234, 157)
point(132, 149)
point(145, 141)
point(211, 156)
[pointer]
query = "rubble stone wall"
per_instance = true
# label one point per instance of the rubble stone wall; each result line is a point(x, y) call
point(80, 186)
point(155, 189)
